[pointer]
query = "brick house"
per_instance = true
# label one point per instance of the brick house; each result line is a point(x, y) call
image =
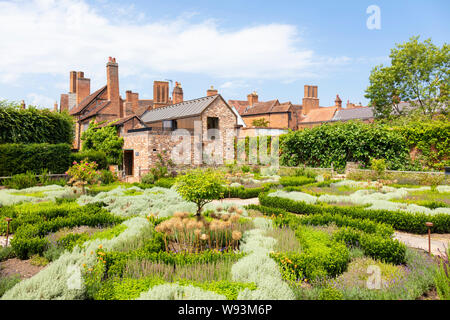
point(106, 102)
point(277, 115)
point(196, 117)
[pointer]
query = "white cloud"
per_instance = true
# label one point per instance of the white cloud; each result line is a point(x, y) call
point(39, 100)
point(45, 36)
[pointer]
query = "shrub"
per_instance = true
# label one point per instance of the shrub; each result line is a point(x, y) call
point(21, 181)
point(165, 182)
point(442, 277)
point(91, 156)
point(243, 193)
point(296, 181)
point(108, 177)
point(6, 253)
point(20, 158)
point(374, 245)
point(379, 166)
point(245, 169)
point(330, 293)
point(148, 178)
point(8, 282)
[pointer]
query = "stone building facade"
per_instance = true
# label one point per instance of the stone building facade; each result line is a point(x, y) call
point(190, 133)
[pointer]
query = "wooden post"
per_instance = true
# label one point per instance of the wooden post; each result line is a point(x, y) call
point(429, 225)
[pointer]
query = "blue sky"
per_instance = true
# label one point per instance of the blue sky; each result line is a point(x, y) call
point(273, 47)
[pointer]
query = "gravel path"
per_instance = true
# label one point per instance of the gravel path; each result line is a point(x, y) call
point(237, 201)
point(438, 242)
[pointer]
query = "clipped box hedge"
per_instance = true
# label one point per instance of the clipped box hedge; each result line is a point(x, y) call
point(294, 181)
point(32, 225)
point(399, 220)
point(19, 158)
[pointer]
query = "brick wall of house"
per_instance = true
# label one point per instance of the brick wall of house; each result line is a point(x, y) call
point(227, 125)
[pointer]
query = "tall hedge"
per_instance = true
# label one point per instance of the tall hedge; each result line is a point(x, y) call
point(34, 125)
point(19, 158)
point(342, 142)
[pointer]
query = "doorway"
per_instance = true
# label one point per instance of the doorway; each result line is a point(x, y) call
point(128, 157)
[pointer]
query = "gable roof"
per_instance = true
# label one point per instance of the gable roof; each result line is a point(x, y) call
point(354, 113)
point(101, 104)
point(239, 105)
point(183, 109)
point(86, 101)
point(261, 108)
point(119, 122)
point(320, 114)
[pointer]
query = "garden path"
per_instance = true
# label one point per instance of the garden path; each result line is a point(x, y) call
point(237, 201)
point(439, 242)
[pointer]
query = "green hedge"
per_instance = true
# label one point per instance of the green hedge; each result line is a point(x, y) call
point(286, 218)
point(374, 245)
point(341, 142)
point(34, 125)
point(91, 155)
point(31, 226)
point(292, 181)
point(243, 193)
point(20, 158)
point(400, 220)
point(375, 239)
point(321, 257)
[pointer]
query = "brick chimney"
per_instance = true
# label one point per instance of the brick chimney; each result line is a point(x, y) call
point(338, 102)
point(160, 93)
point(131, 103)
point(83, 86)
point(55, 107)
point(252, 98)
point(64, 102)
point(112, 82)
point(310, 100)
point(22, 104)
point(211, 91)
point(177, 93)
point(73, 82)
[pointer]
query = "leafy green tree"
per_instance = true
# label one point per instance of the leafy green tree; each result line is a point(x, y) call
point(261, 122)
point(200, 186)
point(103, 139)
point(419, 73)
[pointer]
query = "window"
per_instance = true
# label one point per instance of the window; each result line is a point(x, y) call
point(170, 125)
point(289, 116)
point(212, 127)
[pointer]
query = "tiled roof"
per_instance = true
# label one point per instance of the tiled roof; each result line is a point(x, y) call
point(86, 101)
point(320, 114)
point(261, 108)
point(100, 105)
point(121, 121)
point(183, 109)
point(354, 113)
point(240, 105)
point(144, 105)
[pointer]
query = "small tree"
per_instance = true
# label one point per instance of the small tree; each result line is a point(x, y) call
point(379, 166)
point(200, 186)
point(261, 122)
point(83, 173)
point(103, 139)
